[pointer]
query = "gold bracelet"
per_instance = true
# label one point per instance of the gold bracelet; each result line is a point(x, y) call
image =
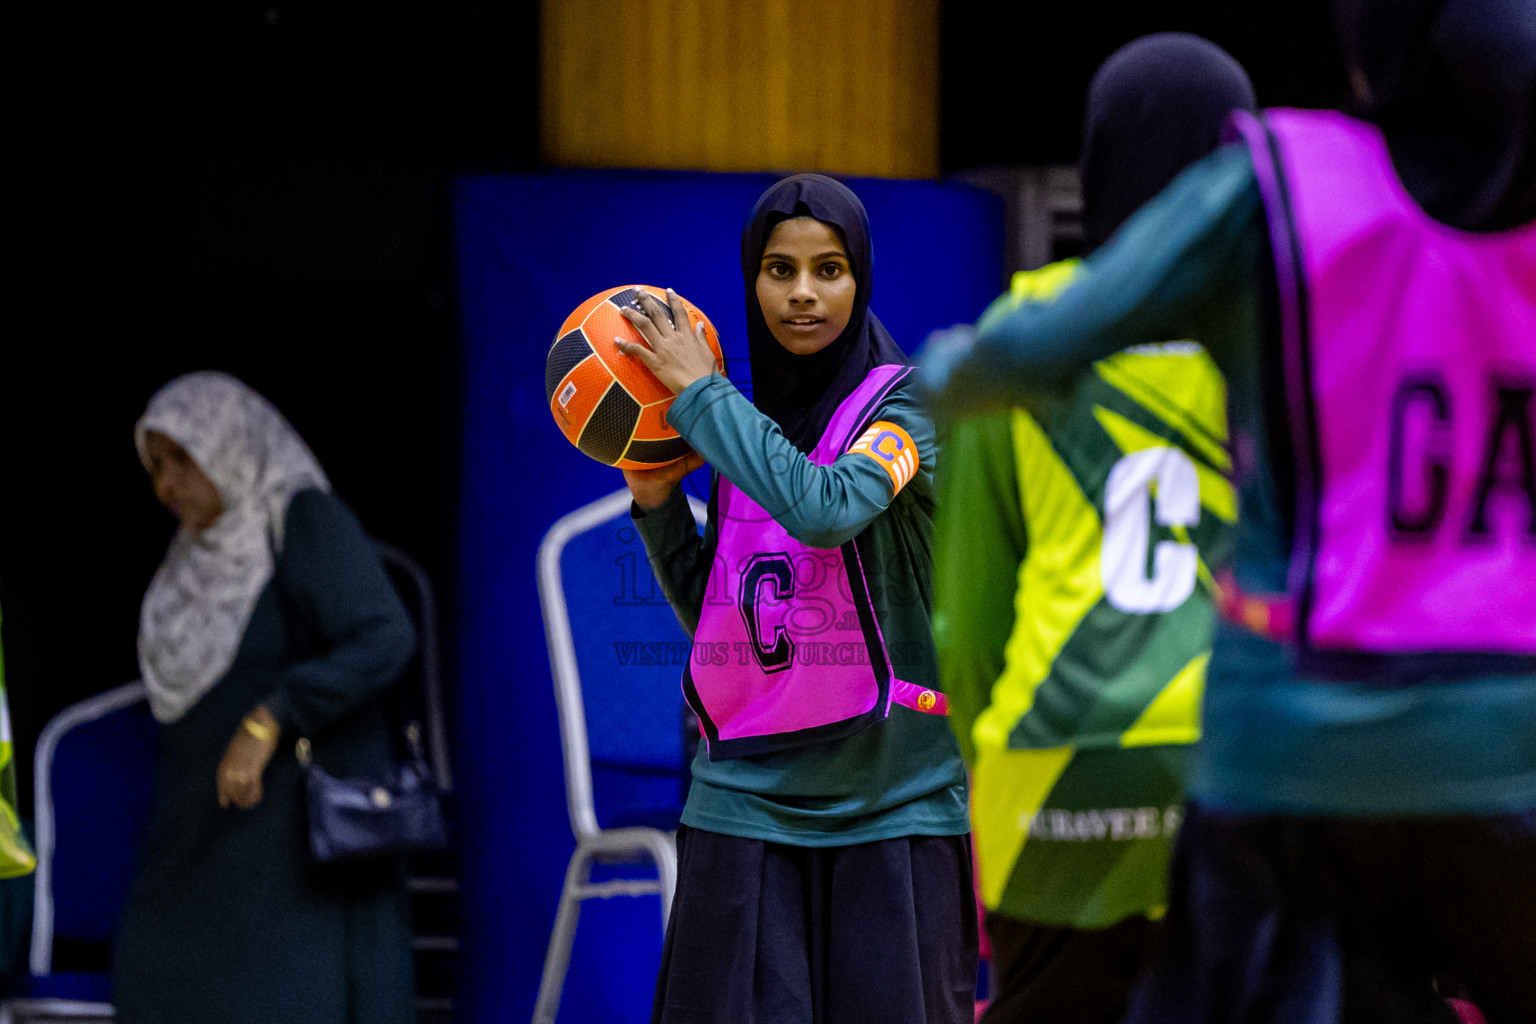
point(265, 733)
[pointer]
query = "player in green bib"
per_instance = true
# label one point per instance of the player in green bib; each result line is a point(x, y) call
point(1075, 587)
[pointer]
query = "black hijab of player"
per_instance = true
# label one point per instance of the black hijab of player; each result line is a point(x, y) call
point(800, 392)
point(1452, 85)
point(1155, 106)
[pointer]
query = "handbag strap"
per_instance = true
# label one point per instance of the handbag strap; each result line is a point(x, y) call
point(399, 709)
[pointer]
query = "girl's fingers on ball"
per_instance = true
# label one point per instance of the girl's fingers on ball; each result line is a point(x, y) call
point(639, 352)
point(679, 311)
point(641, 321)
point(645, 300)
point(665, 314)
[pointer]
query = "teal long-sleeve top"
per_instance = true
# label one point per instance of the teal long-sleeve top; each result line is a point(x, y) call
point(902, 776)
point(1194, 263)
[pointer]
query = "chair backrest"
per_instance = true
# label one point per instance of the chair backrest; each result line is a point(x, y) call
point(616, 651)
point(94, 773)
point(424, 675)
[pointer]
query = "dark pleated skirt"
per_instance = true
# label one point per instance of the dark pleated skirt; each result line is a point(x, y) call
point(874, 933)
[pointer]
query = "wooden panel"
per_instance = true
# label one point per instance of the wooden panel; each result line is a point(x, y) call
point(849, 86)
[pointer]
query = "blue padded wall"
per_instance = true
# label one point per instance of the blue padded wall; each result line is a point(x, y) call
point(528, 250)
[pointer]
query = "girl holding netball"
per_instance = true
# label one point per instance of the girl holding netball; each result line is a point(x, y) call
point(824, 867)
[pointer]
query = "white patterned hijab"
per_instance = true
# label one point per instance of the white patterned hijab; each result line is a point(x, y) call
point(201, 598)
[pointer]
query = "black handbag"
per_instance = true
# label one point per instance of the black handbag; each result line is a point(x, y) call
point(353, 819)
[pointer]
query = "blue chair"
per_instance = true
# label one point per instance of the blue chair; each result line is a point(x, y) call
point(432, 878)
point(424, 676)
point(616, 652)
point(94, 785)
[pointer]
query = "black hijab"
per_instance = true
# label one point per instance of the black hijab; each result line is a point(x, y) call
point(1158, 104)
point(1452, 85)
point(800, 393)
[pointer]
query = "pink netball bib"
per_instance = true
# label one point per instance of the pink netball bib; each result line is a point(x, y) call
point(788, 650)
point(1410, 360)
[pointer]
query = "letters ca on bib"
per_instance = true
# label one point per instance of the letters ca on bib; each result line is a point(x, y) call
point(892, 448)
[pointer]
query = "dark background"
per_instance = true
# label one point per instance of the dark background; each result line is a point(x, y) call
point(262, 189)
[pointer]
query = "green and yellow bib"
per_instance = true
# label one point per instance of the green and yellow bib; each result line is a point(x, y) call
point(1078, 775)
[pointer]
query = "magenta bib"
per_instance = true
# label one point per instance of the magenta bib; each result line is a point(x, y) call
point(1410, 363)
point(788, 650)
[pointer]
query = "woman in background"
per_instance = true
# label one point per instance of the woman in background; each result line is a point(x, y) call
point(270, 619)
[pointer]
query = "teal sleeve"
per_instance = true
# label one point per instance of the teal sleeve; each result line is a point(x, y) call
point(820, 506)
point(980, 540)
point(679, 557)
point(1156, 279)
point(1003, 304)
point(331, 575)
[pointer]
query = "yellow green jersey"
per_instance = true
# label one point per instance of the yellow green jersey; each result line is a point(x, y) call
point(1074, 555)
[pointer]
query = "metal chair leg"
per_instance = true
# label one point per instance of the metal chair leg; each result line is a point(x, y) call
point(557, 960)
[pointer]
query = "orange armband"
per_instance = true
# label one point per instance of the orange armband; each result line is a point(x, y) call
point(892, 447)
